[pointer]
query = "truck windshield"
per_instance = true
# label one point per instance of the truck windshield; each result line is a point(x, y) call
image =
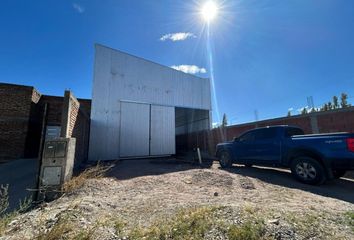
point(293, 131)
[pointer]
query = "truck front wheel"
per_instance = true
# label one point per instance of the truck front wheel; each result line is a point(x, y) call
point(308, 170)
point(225, 159)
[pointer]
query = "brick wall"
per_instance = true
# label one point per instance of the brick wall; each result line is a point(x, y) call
point(22, 115)
point(54, 109)
point(81, 132)
point(73, 116)
point(85, 106)
point(16, 103)
point(339, 120)
point(35, 96)
point(302, 121)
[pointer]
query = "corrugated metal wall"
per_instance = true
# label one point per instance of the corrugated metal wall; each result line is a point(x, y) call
point(121, 77)
point(162, 127)
point(134, 129)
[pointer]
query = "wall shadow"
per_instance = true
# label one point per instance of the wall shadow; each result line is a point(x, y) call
point(341, 189)
point(21, 177)
point(133, 168)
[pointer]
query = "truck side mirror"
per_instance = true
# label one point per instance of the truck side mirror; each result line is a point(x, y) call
point(236, 139)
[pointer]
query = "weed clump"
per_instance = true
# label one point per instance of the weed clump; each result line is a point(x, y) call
point(6, 218)
point(247, 231)
point(77, 182)
point(4, 198)
point(350, 219)
point(197, 223)
point(186, 224)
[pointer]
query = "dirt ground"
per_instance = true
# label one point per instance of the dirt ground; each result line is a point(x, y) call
point(140, 192)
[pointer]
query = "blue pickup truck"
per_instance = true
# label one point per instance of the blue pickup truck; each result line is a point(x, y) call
point(312, 158)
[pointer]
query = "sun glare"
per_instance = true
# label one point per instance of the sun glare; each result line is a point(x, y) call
point(209, 11)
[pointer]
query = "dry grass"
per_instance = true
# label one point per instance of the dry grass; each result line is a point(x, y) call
point(64, 229)
point(4, 221)
point(196, 223)
point(187, 224)
point(77, 182)
point(4, 204)
point(65, 226)
point(6, 218)
point(4, 198)
point(314, 225)
point(350, 219)
point(247, 231)
point(60, 228)
point(190, 223)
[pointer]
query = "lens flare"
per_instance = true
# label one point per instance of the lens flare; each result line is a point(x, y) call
point(211, 76)
point(209, 11)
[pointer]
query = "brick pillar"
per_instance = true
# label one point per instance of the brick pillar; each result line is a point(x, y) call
point(70, 111)
point(65, 115)
point(314, 123)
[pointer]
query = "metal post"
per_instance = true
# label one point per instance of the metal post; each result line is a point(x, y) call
point(199, 156)
point(41, 145)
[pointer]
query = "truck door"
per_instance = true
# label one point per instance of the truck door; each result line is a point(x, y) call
point(266, 146)
point(243, 147)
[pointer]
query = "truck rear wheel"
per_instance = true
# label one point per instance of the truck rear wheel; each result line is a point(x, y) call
point(308, 170)
point(225, 159)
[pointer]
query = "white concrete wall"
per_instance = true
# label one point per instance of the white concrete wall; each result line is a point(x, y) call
point(122, 77)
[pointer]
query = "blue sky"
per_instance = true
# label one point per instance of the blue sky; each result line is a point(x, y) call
point(268, 55)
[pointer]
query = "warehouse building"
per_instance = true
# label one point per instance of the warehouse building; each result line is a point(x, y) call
point(139, 108)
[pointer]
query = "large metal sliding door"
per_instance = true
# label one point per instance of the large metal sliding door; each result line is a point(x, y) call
point(146, 130)
point(134, 129)
point(162, 132)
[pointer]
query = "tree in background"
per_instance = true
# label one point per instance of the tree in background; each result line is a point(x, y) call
point(344, 100)
point(325, 107)
point(289, 113)
point(224, 121)
point(335, 102)
point(330, 106)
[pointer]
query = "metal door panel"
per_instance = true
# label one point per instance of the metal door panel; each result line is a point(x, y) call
point(162, 130)
point(134, 129)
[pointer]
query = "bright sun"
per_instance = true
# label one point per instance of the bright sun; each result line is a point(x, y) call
point(209, 11)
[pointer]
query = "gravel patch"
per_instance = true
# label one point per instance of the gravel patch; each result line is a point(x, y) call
point(143, 200)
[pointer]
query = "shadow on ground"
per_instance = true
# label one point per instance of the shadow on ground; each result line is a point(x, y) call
point(128, 169)
point(342, 189)
point(20, 176)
